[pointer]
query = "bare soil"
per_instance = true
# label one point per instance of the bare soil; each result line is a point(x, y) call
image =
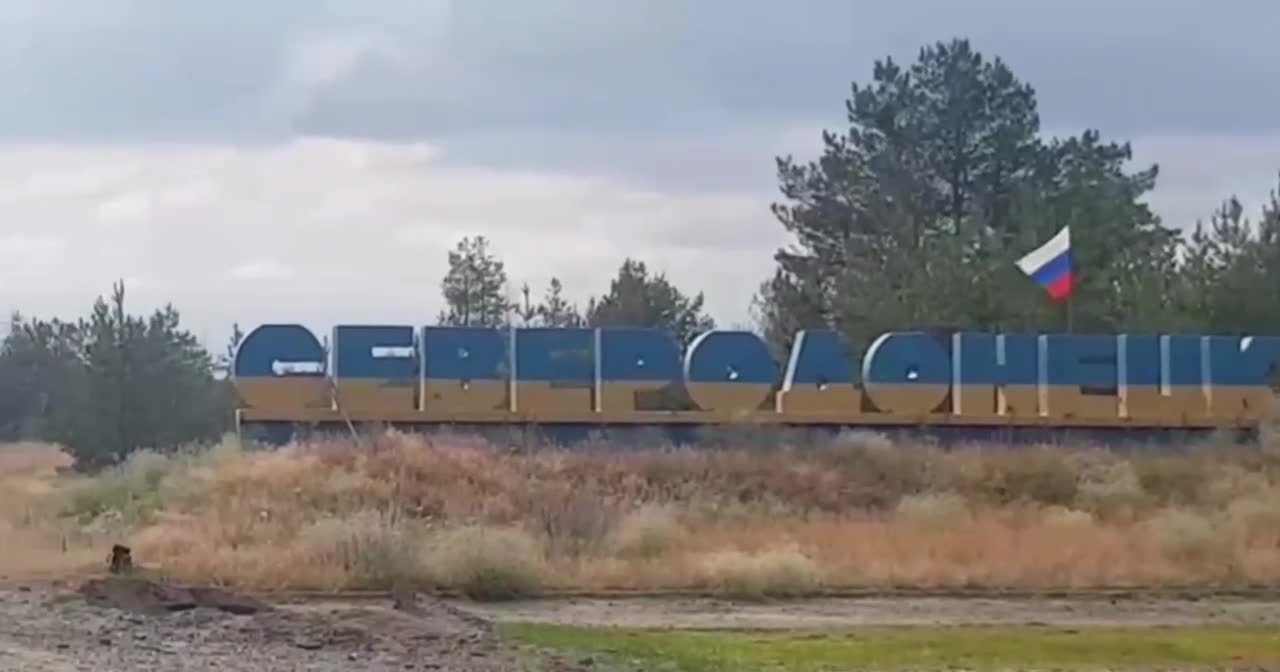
point(132, 624)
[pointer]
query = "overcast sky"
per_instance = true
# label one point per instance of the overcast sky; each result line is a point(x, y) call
point(313, 160)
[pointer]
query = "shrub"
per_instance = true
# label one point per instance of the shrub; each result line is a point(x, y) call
point(1231, 484)
point(933, 510)
point(1109, 488)
point(1185, 536)
point(1177, 480)
point(373, 550)
point(647, 532)
point(574, 523)
point(1256, 518)
point(486, 563)
point(130, 490)
point(1042, 475)
point(1064, 518)
point(878, 471)
point(781, 572)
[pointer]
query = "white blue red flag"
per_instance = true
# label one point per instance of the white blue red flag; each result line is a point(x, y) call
point(1050, 265)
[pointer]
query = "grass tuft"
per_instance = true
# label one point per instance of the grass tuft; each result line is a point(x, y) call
point(487, 563)
point(773, 573)
point(648, 532)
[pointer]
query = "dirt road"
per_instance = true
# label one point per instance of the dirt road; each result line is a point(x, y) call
point(852, 612)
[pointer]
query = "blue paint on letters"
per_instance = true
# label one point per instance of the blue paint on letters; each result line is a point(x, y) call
point(1141, 360)
point(639, 355)
point(269, 344)
point(819, 357)
point(559, 355)
point(464, 353)
point(1181, 361)
point(1237, 361)
point(650, 355)
point(990, 359)
point(729, 357)
point(906, 358)
point(1080, 360)
point(353, 355)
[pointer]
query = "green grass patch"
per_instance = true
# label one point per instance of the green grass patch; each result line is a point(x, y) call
point(911, 648)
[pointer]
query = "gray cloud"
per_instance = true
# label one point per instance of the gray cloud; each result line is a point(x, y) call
point(433, 68)
point(650, 128)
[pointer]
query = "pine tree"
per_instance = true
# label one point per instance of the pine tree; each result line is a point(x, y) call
point(475, 286)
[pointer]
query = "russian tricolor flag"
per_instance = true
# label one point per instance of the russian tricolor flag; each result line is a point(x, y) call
point(1050, 265)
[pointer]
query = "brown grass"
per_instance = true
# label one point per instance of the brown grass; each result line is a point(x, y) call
point(458, 513)
point(33, 540)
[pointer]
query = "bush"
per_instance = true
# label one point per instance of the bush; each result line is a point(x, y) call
point(1256, 518)
point(487, 563)
point(1231, 484)
point(574, 523)
point(1064, 518)
point(933, 510)
point(1109, 488)
point(1178, 480)
point(776, 573)
point(647, 532)
point(878, 472)
point(373, 550)
point(1040, 475)
point(1185, 536)
point(130, 490)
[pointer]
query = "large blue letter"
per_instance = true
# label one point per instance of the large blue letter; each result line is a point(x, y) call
point(906, 373)
point(375, 368)
point(819, 377)
point(995, 375)
point(555, 370)
point(466, 369)
point(281, 367)
point(638, 369)
point(729, 372)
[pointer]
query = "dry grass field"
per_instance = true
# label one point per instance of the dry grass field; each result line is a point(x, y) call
point(456, 513)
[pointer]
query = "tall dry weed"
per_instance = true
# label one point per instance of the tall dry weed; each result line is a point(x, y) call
point(1186, 536)
point(934, 510)
point(648, 532)
point(1110, 489)
point(32, 537)
point(773, 573)
point(486, 563)
point(575, 522)
point(373, 549)
point(464, 514)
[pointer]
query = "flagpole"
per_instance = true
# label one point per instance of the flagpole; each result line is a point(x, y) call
point(1070, 312)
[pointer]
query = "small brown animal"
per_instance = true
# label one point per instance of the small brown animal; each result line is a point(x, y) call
point(121, 560)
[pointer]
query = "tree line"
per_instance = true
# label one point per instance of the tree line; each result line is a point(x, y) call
point(911, 217)
point(111, 383)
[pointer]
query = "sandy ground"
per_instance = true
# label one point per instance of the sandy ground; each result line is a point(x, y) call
point(852, 612)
